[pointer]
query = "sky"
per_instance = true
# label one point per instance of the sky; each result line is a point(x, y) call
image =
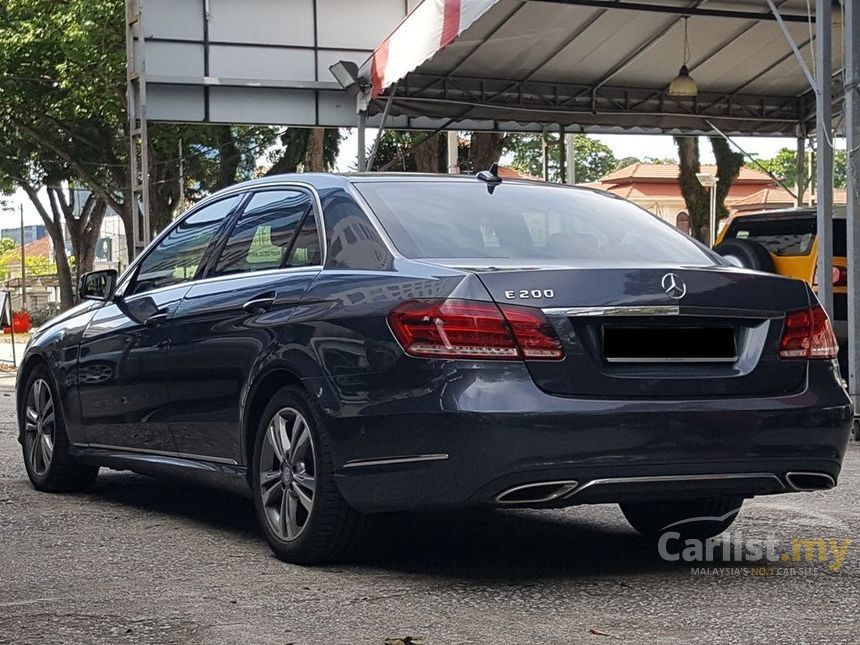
point(622, 145)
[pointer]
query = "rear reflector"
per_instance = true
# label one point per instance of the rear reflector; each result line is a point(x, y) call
point(470, 329)
point(839, 274)
point(808, 334)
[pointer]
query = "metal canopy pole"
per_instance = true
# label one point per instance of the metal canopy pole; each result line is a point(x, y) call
point(380, 131)
point(545, 153)
point(138, 132)
point(851, 32)
point(800, 168)
point(824, 158)
point(571, 159)
point(362, 142)
point(562, 155)
point(453, 152)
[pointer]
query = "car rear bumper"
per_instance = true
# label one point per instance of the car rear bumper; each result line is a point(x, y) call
point(479, 433)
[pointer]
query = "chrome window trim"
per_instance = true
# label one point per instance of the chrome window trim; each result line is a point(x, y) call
point(316, 268)
point(317, 203)
point(125, 278)
point(313, 268)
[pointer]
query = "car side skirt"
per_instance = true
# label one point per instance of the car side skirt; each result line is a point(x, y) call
point(225, 476)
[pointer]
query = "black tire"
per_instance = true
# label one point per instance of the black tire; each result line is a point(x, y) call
point(331, 527)
point(62, 474)
point(751, 254)
point(651, 519)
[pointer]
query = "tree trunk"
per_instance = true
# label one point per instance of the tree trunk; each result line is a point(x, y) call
point(427, 154)
point(84, 235)
point(54, 225)
point(128, 213)
point(314, 160)
point(68, 293)
point(83, 229)
point(163, 192)
point(695, 196)
point(229, 159)
point(729, 166)
point(485, 149)
point(295, 143)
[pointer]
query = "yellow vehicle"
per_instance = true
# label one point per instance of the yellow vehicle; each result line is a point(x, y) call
point(785, 242)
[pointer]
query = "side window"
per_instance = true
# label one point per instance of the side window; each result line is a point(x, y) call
point(265, 234)
point(306, 249)
point(178, 256)
point(353, 242)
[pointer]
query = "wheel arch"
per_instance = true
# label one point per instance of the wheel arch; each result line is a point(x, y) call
point(29, 364)
point(259, 395)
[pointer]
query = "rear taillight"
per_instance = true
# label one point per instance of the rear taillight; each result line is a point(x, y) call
point(469, 329)
point(534, 333)
point(808, 334)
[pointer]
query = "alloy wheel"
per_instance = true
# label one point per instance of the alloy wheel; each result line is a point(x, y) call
point(39, 427)
point(287, 474)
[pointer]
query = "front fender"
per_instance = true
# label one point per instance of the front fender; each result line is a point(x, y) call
point(56, 345)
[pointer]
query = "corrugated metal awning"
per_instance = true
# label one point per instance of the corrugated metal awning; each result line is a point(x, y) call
point(597, 66)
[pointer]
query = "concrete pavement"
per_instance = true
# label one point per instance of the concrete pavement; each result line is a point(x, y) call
point(138, 560)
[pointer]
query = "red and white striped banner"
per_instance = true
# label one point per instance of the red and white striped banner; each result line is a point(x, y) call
point(431, 26)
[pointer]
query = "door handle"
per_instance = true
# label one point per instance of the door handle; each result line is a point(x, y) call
point(260, 304)
point(157, 318)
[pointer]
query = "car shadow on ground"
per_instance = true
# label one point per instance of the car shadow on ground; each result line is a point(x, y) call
point(480, 545)
point(494, 545)
point(207, 506)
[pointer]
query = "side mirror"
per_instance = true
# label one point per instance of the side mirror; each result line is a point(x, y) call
point(97, 285)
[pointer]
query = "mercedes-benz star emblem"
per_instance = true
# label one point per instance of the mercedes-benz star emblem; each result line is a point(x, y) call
point(674, 286)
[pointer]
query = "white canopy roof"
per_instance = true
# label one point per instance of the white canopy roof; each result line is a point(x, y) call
point(600, 65)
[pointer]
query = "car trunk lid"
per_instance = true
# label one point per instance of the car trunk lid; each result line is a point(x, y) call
point(657, 331)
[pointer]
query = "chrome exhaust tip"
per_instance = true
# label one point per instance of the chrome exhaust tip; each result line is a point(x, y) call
point(807, 481)
point(536, 493)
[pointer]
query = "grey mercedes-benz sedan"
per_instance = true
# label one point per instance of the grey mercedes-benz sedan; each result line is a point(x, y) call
point(345, 345)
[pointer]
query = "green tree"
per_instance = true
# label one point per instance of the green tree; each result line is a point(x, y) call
point(7, 244)
point(593, 158)
point(629, 161)
point(307, 149)
point(783, 166)
point(407, 151)
point(62, 98)
point(10, 264)
point(624, 162)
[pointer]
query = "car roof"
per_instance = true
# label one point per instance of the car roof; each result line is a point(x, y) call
point(332, 180)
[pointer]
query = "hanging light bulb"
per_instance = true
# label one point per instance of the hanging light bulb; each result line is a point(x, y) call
point(683, 84)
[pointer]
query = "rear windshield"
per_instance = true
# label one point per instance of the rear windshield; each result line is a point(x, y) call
point(786, 236)
point(457, 219)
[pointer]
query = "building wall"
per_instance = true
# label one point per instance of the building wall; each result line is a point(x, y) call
point(32, 232)
point(111, 250)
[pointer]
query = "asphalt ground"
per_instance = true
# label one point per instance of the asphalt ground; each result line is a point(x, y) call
point(139, 560)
